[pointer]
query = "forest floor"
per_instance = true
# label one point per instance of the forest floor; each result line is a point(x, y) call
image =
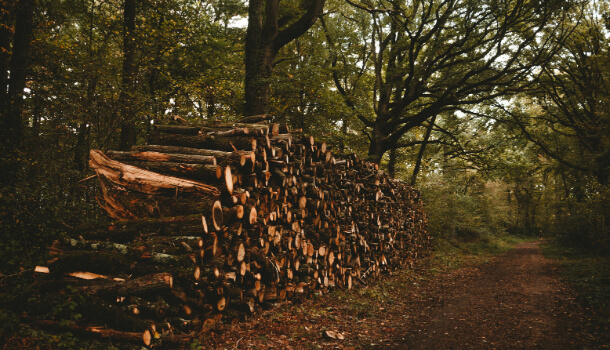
point(514, 300)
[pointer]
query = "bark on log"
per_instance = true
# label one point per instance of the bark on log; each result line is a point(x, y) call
point(136, 286)
point(149, 156)
point(145, 181)
point(127, 231)
point(227, 144)
point(132, 205)
point(224, 158)
point(92, 331)
point(207, 173)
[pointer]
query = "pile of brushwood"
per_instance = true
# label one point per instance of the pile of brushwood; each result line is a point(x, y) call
point(212, 222)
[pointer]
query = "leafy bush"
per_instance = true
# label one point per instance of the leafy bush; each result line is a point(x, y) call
point(585, 223)
point(464, 207)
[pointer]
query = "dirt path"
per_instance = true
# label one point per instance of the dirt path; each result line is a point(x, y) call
point(514, 302)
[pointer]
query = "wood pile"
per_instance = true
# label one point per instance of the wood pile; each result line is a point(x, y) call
point(213, 222)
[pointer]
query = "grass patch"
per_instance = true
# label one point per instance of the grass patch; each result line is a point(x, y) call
point(450, 253)
point(586, 271)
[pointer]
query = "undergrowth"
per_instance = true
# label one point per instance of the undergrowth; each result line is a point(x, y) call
point(451, 253)
point(586, 271)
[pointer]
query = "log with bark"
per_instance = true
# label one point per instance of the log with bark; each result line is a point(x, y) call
point(143, 181)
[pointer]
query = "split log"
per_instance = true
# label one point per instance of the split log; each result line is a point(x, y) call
point(207, 173)
point(145, 181)
point(132, 205)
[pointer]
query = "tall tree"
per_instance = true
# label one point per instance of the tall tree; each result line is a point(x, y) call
point(126, 100)
point(566, 113)
point(270, 28)
point(11, 128)
point(6, 30)
point(437, 56)
point(573, 101)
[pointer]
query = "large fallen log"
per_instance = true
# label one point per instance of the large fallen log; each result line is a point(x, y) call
point(124, 204)
point(144, 181)
point(127, 231)
point(208, 173)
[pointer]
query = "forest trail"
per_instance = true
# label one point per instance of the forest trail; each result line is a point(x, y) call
point(515, 302)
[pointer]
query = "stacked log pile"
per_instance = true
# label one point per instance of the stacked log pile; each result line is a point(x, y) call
point(213, 222)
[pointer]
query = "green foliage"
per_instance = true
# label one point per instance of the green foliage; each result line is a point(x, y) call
point(195, 345)
point(465, 205)
point(485, 171)
point(66, 311)
point(45, 201)
point(57, 341)
point(9, 321)
point(585, 222)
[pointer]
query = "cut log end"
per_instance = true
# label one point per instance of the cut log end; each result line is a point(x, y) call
point(147, 337)
point(252, 216)
point(241, 252)
point(239, 211)
point(221, 304)
point(205, 224)
point(302, 202)
point(169, 280)
point(228, 179)
point(217, 218)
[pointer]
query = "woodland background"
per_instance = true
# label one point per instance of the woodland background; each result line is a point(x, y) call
point(497, 111)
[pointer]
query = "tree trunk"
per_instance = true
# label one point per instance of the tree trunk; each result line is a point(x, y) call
point(11, 119)
point(81, 149)
point(392, 163)
point(126, 99)
point(377, 147)
point(422, 149)
point(264, 38)
point(145, 181)
point(258, 71)
point(6, 35)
